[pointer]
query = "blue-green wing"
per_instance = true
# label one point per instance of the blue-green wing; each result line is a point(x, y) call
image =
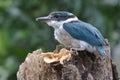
point(85, 32)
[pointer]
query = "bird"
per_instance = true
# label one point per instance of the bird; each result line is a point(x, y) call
point(75, 33)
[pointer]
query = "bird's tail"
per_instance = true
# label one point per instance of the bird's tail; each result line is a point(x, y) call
point(102, 51)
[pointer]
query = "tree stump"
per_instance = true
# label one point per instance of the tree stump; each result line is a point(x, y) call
point(82, 65)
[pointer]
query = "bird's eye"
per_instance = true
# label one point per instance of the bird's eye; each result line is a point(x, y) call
point(56, 16)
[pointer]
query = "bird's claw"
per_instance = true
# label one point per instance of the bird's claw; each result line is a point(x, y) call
point(73, 50)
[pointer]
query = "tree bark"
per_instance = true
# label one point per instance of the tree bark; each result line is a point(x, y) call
point(81, 66)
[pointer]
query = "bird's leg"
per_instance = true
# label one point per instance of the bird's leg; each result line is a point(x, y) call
point(82, 48)
point(68, 47)
point(58, 48)
point(74, 50)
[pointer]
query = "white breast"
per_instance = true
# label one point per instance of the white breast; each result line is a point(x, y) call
point(66, 39)
point(63, 37)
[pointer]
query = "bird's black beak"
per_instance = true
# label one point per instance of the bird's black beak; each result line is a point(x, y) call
point(43, 19)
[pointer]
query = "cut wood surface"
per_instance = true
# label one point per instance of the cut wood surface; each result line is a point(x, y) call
point(75, 65)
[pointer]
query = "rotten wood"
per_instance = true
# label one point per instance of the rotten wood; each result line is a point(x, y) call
point(81, 66)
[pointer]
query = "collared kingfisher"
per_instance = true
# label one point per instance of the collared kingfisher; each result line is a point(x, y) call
point(74, 33)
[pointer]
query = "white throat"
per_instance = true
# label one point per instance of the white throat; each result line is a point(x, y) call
point(57, 24)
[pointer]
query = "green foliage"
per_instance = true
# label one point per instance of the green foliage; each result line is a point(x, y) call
point(20, 33)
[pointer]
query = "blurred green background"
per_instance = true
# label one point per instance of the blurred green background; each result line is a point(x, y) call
point(20, 33)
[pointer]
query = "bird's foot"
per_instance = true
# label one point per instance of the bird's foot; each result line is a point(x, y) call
point(68, 47)
point(72, 50)
point(75, 50)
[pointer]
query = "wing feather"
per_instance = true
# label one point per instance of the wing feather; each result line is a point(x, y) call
point(85, 32)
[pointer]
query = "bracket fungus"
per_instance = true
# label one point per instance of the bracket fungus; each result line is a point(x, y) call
point(51, 57)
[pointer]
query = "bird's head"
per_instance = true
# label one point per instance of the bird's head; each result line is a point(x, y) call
point(57, 18)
